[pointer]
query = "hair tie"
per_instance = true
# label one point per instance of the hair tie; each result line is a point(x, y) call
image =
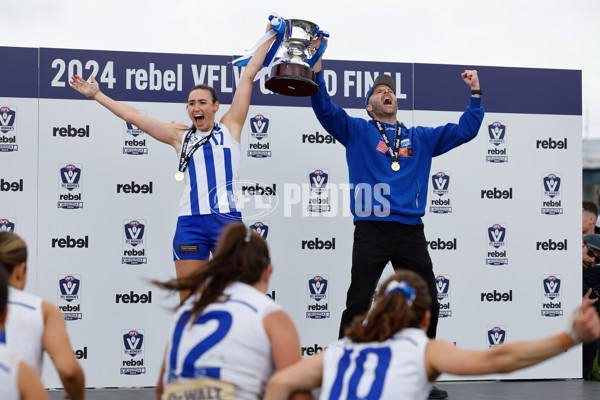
point(248, 235)
point(402, 287)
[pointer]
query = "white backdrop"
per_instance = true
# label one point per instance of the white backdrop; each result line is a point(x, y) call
point(83, 260)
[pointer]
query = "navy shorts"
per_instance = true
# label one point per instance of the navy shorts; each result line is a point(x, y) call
point(196, 236)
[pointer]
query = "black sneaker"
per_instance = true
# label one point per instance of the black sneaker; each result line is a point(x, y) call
point(437, 394)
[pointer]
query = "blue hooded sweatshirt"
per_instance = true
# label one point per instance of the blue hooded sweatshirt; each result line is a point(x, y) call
point(377, 192)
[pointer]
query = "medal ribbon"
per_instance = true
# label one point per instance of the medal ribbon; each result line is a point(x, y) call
point(185, 156)
point(397, 138)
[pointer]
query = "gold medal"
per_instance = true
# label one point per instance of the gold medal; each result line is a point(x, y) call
point(179, 176)
point(396, 166)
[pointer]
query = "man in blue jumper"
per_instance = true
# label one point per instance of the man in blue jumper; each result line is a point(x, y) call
point(389, 166)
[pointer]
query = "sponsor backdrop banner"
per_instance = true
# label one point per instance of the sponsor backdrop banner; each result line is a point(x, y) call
point(96, 201)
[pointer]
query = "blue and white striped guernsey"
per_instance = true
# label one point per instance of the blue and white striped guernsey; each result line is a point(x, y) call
point(209, 185)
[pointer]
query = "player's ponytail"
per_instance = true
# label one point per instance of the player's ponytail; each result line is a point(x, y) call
point(402, 302)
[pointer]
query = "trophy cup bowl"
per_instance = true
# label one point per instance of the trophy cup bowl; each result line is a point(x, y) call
point(293, 76)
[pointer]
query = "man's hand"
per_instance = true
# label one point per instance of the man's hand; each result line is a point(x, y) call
point(470, 77)
point(314, 47)
point(85, 88)
point(586, 324)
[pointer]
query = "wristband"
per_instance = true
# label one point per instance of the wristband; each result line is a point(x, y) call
point(476, 91)
point(566, 340)
point(93, 93)
point(570, 332)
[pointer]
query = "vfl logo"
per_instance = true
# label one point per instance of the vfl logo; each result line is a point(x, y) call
point(440, 182)
point(318, 181)
point(6, 225)
point(496, 336)
point(317, 307)
point(318, 288)
point(259, 124)
point(261, 229)
point(552, 185)
point(69, 288)
point(70, 176)
point(134, 233)
point(442, 285)
point(133, 341)
point(133, 130)
point(7, 119)
point(133, 345)
point(552, 287)
point(496, 131)
point(496, 234)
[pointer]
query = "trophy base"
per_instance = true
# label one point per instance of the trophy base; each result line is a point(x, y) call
point(292, 80)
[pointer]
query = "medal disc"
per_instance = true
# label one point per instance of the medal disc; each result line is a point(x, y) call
point(396, 166)
point(179, 176)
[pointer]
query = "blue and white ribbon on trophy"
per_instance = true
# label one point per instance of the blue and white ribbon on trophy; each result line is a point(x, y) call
point(278, 27)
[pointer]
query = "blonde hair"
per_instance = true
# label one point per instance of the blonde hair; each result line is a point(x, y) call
point(13, 251)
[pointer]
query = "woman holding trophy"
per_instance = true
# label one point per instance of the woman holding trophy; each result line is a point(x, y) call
point(209, 159)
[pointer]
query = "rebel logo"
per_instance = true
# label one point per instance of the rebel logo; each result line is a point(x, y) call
point(551, 144)
point(134, 298)
point(318, 244)
point(258, 190)
point(135, 142)
point(311, 350)
point(8, 186)
point(81, 354)
point(70, 242)
point(551, 245)
point(496, 193)
point(440, 244)
point(134, 188)
point(259, 146)
point(497, 296)
point(70, 131)
point(318, 138)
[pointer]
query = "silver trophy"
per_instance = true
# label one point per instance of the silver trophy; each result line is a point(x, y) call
point(292, 75)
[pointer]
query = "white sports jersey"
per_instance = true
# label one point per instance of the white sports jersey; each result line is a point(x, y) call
point(394, 369)
point(228, 342)
point(209, 185)
point(9, 375)
point(24, 327)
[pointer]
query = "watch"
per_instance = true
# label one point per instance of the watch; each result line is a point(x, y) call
point(476, 91)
